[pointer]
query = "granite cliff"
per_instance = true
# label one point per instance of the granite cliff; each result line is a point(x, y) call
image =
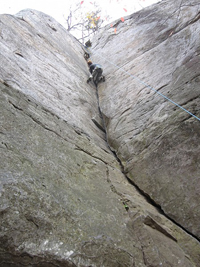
point(106, 177)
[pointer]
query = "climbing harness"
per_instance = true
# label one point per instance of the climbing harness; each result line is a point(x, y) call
point(146, 85)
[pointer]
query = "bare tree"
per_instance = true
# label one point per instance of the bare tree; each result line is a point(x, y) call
point(82, 23)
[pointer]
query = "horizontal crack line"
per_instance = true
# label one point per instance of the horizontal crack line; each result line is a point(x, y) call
point(90, 154)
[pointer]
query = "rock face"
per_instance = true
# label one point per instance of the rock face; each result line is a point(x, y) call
point(157, 142)
point(65, 200)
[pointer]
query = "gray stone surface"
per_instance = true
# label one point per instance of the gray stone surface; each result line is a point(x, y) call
point(157, 142)
point(64, 200)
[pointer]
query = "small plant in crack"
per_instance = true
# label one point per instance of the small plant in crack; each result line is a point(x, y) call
point(125, 203)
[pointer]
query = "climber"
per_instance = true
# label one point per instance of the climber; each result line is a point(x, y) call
point(96, 73)
point(88, 43)
point(86, 46)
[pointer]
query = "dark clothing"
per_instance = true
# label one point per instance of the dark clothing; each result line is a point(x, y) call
point(96, 71)
point(88, 43)
point(93, 66)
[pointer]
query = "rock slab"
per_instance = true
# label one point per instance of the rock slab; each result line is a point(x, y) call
point(64, 200)
point(152, 60)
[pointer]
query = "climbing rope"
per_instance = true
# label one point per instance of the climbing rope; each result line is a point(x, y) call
point(146, 85)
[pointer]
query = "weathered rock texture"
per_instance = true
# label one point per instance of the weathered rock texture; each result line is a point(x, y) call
point(65, 200)
point(157, 142)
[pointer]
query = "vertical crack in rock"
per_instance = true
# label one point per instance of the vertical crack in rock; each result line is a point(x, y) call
point(65, 200)
point(140, 191)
